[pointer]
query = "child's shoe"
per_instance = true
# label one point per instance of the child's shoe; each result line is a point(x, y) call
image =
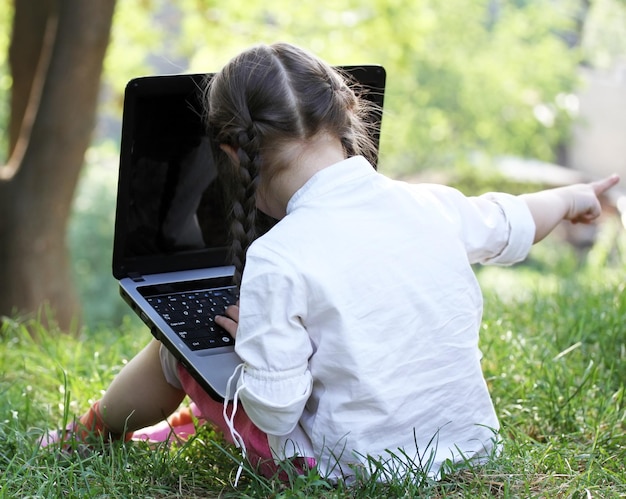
point(90, 428)
point(56, 436)
point(181, 425)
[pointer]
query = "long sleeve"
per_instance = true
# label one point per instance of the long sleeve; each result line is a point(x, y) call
point(275, 383)
point(495, 228)
point(517, 232)
point(274, 401)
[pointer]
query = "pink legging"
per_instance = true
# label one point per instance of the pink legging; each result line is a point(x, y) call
point(258, 450)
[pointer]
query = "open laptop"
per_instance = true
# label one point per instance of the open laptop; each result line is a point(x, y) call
point(170, 250)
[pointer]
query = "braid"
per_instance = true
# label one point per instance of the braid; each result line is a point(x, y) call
point(243, 216)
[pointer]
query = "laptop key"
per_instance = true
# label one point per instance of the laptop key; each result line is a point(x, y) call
point(191, 315)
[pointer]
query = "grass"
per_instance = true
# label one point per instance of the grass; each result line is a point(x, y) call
point(554, 345)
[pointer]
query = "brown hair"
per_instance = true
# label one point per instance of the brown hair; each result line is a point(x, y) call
point(269, 96)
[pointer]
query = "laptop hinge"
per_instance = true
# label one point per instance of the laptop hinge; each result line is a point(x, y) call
point(136, 277)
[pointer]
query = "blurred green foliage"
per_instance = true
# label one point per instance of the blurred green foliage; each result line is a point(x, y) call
point(462, 75)
point(90, 239)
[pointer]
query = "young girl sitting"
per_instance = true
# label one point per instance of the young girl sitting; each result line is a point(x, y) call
point(359, 311)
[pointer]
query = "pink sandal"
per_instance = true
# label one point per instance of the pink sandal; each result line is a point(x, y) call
point(181, 425)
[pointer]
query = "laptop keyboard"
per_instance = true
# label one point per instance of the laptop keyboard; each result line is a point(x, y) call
point(192, 315)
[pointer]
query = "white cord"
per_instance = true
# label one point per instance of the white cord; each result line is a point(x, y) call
point(230, 420)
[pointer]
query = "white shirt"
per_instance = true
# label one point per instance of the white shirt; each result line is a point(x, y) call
point(359, 319)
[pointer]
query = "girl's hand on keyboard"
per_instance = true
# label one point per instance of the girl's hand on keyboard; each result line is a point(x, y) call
point(230, 320)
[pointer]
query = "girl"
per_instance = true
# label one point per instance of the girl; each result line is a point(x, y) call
point(359, 312)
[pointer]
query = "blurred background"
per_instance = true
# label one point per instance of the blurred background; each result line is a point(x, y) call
point(477, 88)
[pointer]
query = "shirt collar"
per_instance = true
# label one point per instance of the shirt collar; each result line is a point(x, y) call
point(325, 180)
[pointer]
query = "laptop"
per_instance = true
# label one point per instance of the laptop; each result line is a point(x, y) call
point(170, 250)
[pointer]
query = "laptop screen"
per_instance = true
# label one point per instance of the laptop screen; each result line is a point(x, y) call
point(171, 210)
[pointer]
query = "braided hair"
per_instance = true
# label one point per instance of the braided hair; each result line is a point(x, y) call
point(263, 99)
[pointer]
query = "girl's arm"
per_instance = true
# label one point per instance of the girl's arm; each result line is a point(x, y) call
point(577, 203)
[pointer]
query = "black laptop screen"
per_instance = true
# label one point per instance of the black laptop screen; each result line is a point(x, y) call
point(171, 209)
point(176, 202)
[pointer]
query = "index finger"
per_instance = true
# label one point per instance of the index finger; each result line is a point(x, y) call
point(232, 311)
point(603, 185)
point(227, 323)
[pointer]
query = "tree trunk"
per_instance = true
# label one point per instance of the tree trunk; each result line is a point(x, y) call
point(31, 45)
point(36, 196)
